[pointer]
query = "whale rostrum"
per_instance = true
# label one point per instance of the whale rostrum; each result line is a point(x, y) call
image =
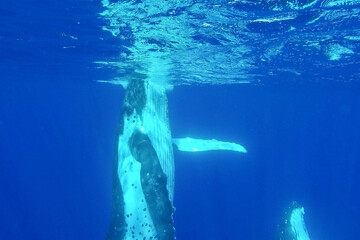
point(292, 225)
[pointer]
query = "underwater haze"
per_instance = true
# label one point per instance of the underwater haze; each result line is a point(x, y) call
point(281, 78)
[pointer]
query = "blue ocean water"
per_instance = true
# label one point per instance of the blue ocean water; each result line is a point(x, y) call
point(299, 121)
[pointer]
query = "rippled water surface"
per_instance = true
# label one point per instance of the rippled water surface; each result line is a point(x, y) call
point(222, 42)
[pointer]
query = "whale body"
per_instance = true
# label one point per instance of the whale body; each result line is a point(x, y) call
point(143, 175)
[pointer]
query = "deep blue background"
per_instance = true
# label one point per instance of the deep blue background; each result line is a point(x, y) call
point(57, 134)
point(303, 144)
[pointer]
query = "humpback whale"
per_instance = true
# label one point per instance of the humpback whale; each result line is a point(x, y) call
point(292, 225)
point(143, 175)
point(143, 172)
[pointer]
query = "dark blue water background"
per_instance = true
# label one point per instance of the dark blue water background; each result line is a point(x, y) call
point(58, 128)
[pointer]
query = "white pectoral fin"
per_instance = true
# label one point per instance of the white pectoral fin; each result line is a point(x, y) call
point(196, 145)
point(123, 83)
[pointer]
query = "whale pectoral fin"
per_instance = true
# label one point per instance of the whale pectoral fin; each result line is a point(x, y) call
point(123, 83)
point(197, 145)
